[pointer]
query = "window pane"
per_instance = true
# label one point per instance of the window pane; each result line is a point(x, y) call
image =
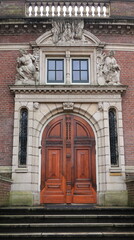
point(51, 64)
point(84, 76)
point(113, 137)
point(76, 64)
point(51, 76)
point(59, 65)
point(76, 76)
point(84, 65)
point(59, 76)
point(23, 136)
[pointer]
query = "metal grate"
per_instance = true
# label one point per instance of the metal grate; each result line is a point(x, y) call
point(23, 136)
point(113, 137)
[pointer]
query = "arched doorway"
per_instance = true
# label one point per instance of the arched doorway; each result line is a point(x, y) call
point(68, 168)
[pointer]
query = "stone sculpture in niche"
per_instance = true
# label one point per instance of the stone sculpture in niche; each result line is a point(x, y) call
point(27, 69)
point(108, 71)
point(66, 30)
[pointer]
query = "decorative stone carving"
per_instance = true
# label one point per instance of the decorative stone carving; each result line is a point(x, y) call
point(100, 65)
point(100, 106)
point(27, 69)
point(69, 106)
point(36, 106)
point(66, 30)
point(108, 71)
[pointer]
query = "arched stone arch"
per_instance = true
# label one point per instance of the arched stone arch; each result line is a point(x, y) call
point(90, 113)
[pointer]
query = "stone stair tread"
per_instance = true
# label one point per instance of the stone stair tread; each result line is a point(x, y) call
point(67, 224)
point(69, 234)
point(67, 216)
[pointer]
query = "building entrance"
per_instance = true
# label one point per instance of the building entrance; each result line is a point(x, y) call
point(68, 168)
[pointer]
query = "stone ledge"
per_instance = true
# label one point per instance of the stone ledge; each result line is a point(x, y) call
point(64, 89)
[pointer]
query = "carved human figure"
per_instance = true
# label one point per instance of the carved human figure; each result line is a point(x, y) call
point(111, 69)
point(68, 34)
point(27, 72)
point(78, 29)
point(55, 31)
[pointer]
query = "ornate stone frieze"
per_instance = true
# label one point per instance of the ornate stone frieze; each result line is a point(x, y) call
point(108, 71)
point(27, 69)
point(67, 30)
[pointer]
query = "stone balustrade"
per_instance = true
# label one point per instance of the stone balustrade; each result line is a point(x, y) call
point(67, 9)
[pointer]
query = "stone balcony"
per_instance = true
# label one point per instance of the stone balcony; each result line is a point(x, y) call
point(67, 9)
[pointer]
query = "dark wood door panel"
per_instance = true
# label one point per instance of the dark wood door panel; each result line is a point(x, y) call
point(68, 161)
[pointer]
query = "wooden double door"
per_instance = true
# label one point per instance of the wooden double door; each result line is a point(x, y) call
point(68, 170)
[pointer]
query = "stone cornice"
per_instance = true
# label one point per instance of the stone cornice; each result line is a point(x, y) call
point(39, 26)
point(63, 89)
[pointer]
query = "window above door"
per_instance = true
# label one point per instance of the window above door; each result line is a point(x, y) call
point(59, 69)
point(80, 71)
point(55, 70)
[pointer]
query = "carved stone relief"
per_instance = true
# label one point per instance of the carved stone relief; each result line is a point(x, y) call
point(66, 30)
point(68, 106)
point(27, 69)
point(108, 71)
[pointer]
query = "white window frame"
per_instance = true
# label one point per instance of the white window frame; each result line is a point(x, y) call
point(89, 70)
point(60, 53)
point(64, 70)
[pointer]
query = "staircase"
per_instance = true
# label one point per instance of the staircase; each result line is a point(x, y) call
point(66, 222)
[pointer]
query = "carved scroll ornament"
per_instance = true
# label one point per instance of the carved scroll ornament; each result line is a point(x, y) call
point(108, 71)
point(27, 69)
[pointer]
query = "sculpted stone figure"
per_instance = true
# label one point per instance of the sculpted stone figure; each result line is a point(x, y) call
point(100, 66)
point(65, 31)
point(108, 71)
point(27, 70)
point(111, 69)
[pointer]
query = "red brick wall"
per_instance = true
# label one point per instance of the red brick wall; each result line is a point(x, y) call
point(7, 77)
point(126, 61)
point(121, 8)
point(4, 192)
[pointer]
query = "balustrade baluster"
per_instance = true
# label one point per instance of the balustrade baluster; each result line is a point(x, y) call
point(78, 12)
point(101, 9)
point(50, 8)
point(96, 10)
point(90, 9)
point(107, 10)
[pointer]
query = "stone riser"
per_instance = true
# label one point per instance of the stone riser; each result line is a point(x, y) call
point(66, 218)
point(67, 222)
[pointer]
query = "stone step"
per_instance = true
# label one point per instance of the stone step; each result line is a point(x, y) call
point(66, 218)
point(68, 236)
point(66, 227)
point(67, 209)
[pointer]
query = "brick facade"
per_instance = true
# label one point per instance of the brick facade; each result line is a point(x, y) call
point(115, 37)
